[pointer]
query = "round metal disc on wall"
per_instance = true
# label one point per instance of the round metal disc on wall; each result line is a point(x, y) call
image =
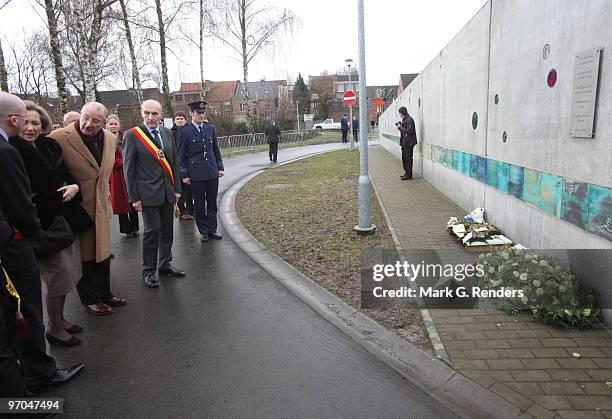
point(546, 52)
point(474, 120)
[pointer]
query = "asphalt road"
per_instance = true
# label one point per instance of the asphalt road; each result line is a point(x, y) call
point(225, 341)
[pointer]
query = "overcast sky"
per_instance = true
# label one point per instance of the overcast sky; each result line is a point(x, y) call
point(402, 36)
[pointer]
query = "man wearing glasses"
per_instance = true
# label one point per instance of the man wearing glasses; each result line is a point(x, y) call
point(89, 155)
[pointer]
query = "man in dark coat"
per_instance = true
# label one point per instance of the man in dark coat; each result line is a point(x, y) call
point(201, 167)
point(185, 203)
point(355, 126)
point(408, 139)
point(21, 266)
point(273, 134)
point(344, 127)
point(152, 178)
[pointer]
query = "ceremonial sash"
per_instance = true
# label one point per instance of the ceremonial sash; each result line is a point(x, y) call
point(157, 153)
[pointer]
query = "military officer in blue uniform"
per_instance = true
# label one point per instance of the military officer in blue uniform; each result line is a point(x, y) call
point(201, 167)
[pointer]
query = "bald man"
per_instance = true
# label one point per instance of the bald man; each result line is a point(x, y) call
point(151, 172)
point(20, 263)
point(89, 155)
point(71, 117)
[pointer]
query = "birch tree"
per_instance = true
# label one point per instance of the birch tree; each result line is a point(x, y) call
point(136, 83)
point(164, 61)
point(249, 28)
point(56, 54)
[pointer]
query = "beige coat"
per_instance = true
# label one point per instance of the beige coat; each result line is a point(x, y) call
point(94, 182)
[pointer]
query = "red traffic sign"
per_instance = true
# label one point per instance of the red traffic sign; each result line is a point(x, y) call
point(350, 98)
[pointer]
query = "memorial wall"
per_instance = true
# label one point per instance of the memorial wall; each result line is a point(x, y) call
point(515, 115)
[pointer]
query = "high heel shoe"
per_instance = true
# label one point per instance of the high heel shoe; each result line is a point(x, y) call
point(68, 343)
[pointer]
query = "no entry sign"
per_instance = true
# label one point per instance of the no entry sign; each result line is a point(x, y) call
point(350, 98)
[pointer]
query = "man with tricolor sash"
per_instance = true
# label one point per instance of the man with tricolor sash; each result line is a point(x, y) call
point(153, 185)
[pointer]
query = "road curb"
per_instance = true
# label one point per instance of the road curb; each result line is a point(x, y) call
point(457, 392)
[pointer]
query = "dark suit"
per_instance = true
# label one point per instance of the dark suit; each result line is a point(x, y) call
point(185, 203)
point(355, 127)
point(200, 161)
point(21, 266)
point(408, 139)
point(149, 183)
point(273, 134)
point(344, 127)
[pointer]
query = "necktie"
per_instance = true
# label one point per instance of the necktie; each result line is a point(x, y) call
point(200, 129)
point(157, 139)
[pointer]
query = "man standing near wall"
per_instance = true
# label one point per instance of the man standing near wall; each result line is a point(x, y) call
point(408, 139)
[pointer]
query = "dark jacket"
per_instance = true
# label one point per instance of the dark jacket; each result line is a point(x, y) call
point(47, 173)
point(15, 192)
point(344, 124)
point(199, 154)
point(273, 134)
point(408, 136)
point(355, 124)
point(146, 179)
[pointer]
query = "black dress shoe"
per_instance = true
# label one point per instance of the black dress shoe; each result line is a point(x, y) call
point(150, 281)
point(63, 375)
point(406, 177)
point(171, 271)
point(204, 237)
point(215, 236)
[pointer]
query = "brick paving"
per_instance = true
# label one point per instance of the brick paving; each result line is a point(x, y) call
point(544, 370)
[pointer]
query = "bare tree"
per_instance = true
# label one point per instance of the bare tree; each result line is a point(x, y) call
point(136, 83)
point(164, 62)
point(3, 72)
point(51, 10)
point(249, 28)
point(32, 65)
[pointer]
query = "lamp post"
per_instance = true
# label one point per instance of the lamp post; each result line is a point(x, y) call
point(365, 190)
point(349, 63)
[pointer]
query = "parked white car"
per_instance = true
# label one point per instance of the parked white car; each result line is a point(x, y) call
point(326, 125)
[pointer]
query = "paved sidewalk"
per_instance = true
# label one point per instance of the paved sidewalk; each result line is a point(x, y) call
point(531, 365)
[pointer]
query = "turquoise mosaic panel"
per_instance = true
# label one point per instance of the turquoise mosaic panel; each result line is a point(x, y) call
point(457, 160)
point(600, 211)
point(448, 160)
point(515, 182)
point(481, 169)
point(474, 166)
point(492, 172)
point(551, 191)
point(532, 186)
point(575, 203)
point(503, 176)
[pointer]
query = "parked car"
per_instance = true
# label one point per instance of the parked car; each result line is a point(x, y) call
point(327, 125)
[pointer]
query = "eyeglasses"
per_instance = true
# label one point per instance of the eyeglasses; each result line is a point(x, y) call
point(94, 121)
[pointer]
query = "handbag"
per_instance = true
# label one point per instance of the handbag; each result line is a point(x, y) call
point(57, 237)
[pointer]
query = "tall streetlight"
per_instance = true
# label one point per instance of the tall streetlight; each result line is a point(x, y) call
point(365, 208)
point(349, 63)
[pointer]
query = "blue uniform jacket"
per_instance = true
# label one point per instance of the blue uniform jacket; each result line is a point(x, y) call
point(344, 124)
point(199, 155)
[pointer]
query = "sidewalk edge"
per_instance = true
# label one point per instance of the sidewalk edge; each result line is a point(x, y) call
point(455, 391)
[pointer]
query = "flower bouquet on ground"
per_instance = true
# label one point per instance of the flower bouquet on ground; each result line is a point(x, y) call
point(549, 289)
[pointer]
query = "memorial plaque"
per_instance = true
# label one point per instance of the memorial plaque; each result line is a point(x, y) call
point(584, 100)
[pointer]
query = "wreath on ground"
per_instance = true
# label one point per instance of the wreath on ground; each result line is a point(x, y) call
point(550, 290)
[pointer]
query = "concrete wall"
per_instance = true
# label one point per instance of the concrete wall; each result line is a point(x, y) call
point(565, 194)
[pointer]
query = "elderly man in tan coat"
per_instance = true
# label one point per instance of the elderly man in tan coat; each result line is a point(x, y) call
point(89, 155)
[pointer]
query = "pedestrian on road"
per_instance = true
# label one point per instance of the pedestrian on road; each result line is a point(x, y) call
point(408, 139)
point(344, 127)
point(201, 167)
point(56, 196)
point(88, 151)
point(185, 203)
point(273, 134)
point(127, 214)
point(39, 369)
point(151, 174)
point(355, 126)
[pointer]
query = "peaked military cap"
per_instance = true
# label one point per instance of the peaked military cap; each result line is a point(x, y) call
point(198, 106)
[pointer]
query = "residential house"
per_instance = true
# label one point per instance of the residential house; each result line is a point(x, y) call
point(264, 100)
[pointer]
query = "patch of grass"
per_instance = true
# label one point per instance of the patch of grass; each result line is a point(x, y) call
point(310, 225)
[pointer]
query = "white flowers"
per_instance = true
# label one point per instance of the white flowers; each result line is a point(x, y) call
point(523, 277)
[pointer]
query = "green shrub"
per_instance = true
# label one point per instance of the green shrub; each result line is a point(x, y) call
point(550, 291)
